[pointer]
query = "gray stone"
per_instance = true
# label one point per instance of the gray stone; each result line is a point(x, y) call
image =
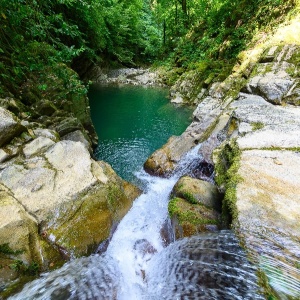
point(67, 125)
point(68, 194)
point(268, 210)
point(78, 136)
point(17, 228)
point(4, 155)
point(40, 144)
point(47, 133)
point(10, 126)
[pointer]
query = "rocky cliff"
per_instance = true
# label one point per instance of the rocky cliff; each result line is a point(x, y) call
point(249, 129)
point(56, 201)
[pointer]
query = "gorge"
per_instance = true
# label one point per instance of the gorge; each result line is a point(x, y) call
point(214, 213)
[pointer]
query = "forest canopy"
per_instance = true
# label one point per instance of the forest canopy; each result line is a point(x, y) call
point(38, 35)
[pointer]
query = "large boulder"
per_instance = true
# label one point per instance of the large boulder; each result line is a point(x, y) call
point(10, 126)
point(268, 213)
point(195, 207)
point(19, 239)
point(198, 192)
point(73, 199)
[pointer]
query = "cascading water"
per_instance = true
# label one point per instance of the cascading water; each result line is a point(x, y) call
point(138, 265)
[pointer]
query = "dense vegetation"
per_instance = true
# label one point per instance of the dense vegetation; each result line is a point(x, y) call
point(207, 35)
point(40, 40)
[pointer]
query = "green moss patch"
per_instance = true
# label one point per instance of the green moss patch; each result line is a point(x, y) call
point(226, 167)
point(191, 218)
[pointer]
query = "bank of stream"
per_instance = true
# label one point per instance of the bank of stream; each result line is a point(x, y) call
point(142, 260)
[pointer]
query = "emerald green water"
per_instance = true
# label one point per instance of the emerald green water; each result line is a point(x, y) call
point(132, 122)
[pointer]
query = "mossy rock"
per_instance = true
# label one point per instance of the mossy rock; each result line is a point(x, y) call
point(198, 191)
point(190, 219)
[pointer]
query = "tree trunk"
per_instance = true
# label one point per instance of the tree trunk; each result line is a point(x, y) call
point(184, 9)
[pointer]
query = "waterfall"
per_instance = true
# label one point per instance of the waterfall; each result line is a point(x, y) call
point(141, 263)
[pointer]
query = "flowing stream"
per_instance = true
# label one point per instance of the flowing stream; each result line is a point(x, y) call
point(142, 261)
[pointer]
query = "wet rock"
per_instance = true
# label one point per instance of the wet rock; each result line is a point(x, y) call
point(268, 213)
point(195, 207)
point(164, 160)
point(198, 191)
point(190, 219)
point(206, 266)
point(10, 126)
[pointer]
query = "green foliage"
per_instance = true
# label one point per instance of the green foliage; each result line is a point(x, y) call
point(6, 250)
point(38, 35)
point(214, 30)
point(29, 270)
point(257, 125)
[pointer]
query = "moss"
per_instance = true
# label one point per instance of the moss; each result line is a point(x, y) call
point(263, 281)
point(6, 250)
point(226, 167)
point(233, 126)
point(257, 125)
point(194, 214)
point(31, 269)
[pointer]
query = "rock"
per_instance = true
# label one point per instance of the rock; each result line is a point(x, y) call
point(273, 87)
point(4, 155)
point(38, 145)
point(177, 99)
point(19, 232)
point(190, 219)
point(268, 212)
point(10, 126)
point(45, 107)
point(74, 201)
point(78, 136)
point(217, 136)
point(268, 127)
point(47, 133)
point(194, 207)
point(198, 191)
point(128, 76)
point(67, 125)
point(13, 105)
point(164, 160)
